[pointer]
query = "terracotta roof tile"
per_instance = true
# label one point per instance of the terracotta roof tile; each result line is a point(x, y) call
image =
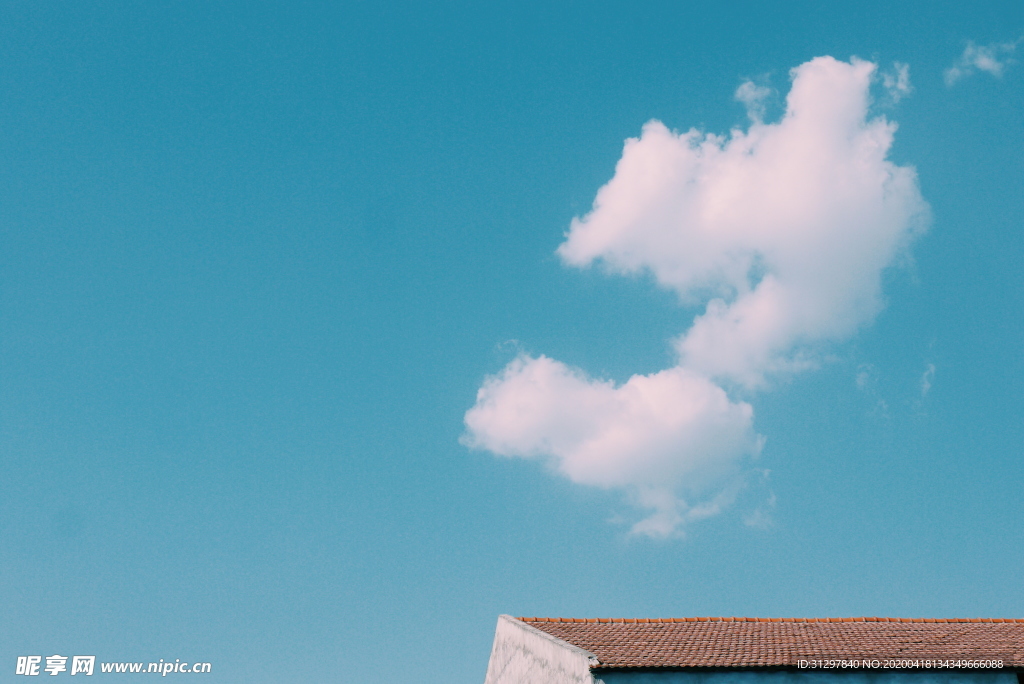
point(781, 642)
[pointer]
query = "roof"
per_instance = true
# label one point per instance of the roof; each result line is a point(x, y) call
point(782, 642)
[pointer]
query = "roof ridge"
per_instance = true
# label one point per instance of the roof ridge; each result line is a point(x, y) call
point(757, 619)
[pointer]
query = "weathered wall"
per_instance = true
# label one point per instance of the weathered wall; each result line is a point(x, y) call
point(809, 677)
point(525, 655)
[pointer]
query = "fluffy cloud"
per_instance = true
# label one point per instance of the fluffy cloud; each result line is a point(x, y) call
point(992, 59)
point(787, 225)
point(783, 229)
point(655, 435)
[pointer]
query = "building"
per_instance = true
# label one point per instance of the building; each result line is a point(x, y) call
point(756, 651)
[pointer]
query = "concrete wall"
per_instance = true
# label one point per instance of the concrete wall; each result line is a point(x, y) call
point(808, 677)
point(525, 655)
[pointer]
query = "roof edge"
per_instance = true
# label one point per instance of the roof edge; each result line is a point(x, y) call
point(549, 637)
point(528, 620)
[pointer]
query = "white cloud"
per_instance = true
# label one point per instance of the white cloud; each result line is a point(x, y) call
point(787, 226)
point(927, 378)
point(761, 517)
point(993, 59)
point(865, 376)
point(783, 230)
point(655, 435)
point(897, 82)
point(753, 96)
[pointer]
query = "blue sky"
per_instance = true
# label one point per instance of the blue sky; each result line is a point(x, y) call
point(256, 261)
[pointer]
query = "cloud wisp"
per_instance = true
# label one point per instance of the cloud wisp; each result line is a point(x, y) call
point(992, 59)
point(897, 82)
point(782, 230)
point(927, 379)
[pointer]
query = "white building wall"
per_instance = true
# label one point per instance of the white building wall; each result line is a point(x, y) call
point(525, 655)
